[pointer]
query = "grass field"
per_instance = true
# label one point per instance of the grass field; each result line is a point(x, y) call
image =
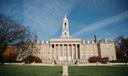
point(99, 71)
point(30, 71)
point(56, 71)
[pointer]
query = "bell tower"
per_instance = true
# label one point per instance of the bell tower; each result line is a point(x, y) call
point(65, 28)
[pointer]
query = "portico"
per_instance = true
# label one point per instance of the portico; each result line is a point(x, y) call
point(65, 49)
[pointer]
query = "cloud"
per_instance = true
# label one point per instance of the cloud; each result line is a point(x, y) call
point(102, 23)
point(44, 16)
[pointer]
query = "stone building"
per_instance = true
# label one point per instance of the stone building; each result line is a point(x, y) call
point(69, 49)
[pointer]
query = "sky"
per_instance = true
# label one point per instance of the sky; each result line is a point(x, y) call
point(106, 19)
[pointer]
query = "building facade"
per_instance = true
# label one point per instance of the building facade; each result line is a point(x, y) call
point(71, 50)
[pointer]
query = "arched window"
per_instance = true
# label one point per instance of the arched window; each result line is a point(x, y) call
point(65, 33)
point(65, 24)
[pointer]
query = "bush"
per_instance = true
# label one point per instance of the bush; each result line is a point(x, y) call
point(30, 59)
point(104, 60)
point(95, 59)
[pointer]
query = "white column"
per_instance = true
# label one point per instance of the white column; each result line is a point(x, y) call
point(54, 51)
point(45, 51)
point(68, 51)
point(58, 51)
point(76, 51)
point(50, 51)
point(72, 51)
point(63, 51)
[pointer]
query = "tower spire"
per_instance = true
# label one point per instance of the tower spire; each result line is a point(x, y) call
point(65, 28)
point(65, 15)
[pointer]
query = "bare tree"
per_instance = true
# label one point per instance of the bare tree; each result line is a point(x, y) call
point(122, 48)
point(11, 32)
point(26, 48)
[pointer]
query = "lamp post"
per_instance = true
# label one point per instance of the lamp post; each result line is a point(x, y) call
point(65, 67)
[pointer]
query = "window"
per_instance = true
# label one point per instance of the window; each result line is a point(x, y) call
point(65, 33)
point(65, 25)
point(52, 46)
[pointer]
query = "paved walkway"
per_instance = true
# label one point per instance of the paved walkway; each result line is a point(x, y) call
point(87, 64)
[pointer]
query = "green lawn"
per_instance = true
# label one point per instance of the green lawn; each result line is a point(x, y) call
point(56, 71)
point(99, 71)
point(30, 71)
